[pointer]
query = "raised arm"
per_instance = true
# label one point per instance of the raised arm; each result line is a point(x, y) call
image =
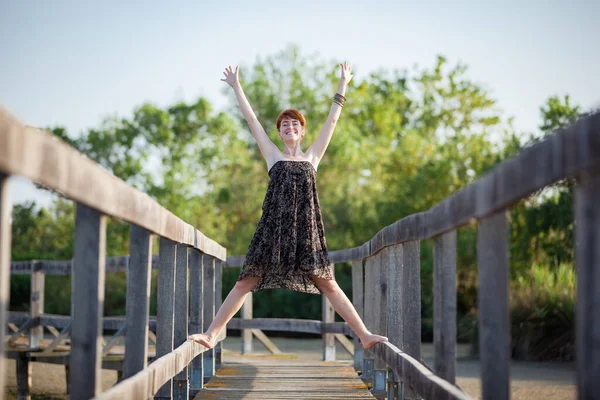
point(317, 149)
point(266, 146)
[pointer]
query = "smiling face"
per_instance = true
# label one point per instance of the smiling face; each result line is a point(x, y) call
point(291, 125)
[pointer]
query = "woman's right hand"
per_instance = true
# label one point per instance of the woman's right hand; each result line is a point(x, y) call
point(231, 77)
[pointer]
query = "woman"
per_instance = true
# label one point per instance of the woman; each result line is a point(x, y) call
point(288, 249)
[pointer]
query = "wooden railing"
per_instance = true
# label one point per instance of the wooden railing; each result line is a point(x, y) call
point(42, 158)
point(385, 271)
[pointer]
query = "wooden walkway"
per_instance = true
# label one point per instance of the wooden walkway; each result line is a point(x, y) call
point(281, 379)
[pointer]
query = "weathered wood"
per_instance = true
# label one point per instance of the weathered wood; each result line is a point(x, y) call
point(87, 302)
point(114, 340)
point(218, 303)
point(29, 323)
point(345, 342)
point(265, 341)
point(444, 306)
point(13, 327)
point(417, 375)
point(41, 157)
point(36, 305)
point(180, 323)
point(209, 311)
point(23, 377)
point(147, 382)
point(289, 325)
point(494, 323)
point(138, 301)
point(328, 316)
point(411, 305)
point(394, 305)
point(359, 305)
point(380, 317)
point(369, 358)
point(165, 299)
point(58, 339)
point(53, 331)
point(246, 314)
point(5, 246)
point(587, 233)
point(195, 324)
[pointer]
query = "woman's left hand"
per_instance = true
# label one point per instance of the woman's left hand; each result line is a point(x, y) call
point(346, 72)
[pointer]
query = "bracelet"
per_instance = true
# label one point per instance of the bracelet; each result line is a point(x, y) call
point(339, 99)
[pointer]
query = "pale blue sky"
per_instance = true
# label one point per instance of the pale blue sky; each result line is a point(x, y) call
point(72, 63)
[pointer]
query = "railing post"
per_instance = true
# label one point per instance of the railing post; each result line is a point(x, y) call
point(165, 299)
point(380, 289)
point(36, 303)
point(218, 303)
point(411, 305)
point(5, 246)
point(138, 299)
point(358, 302)
point(180, 323)
point(444, 306)
point(587, 257)
point(328, 316)
point(247, 338)
point(196, 301)
point(209, 312)
point(395, 313)
point(369, 356)
point(494, 324)
point(88, 302)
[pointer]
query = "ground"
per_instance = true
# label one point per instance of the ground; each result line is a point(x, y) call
point(530, 381)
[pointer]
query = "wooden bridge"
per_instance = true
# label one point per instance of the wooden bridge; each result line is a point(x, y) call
point(386, 287)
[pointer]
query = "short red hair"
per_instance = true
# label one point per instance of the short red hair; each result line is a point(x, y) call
point(291, 113)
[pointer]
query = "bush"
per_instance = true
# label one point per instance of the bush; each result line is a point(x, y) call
point(542, 309)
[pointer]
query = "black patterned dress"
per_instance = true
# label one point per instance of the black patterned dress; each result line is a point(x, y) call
point(289, 245)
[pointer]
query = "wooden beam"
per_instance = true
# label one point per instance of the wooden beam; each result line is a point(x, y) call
point(114, 340)
point(180, 322)
point(359, 304)
point(5, 248)
point(265, 341)
point(87, 303)
point(138, 301)
point(195, 323)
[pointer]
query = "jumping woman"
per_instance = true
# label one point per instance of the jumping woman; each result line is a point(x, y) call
point(288, 249)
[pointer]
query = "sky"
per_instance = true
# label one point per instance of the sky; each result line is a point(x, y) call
point(73, 63)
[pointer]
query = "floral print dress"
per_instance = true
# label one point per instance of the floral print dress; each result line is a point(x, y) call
point(289, 244)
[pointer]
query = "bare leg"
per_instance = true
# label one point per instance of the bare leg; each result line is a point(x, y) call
point(231, 305)
point(346, 310)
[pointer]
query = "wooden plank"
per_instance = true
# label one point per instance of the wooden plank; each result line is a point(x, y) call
point(138, 301)
point(147, 382)
point(494, 323)
point(395, 265)
point(36, 305)
point(380, 317)
point(208, 311)
point(418, 376)
point(411, 305)
point(369, 358)
point(328, 316)
point(5, 248)
point(58, 339)
point(345, 342)
point(218, 303)
point(444, 306)
point(165, 299)
point(195, 323)
point(180, 323)
point(87, 303)
point(587, 257)
point(30, 323)
point(266, 341)
point(53, 331)
point(246, 314)
point(114, 340)
point(23, 377)
point(359, 305)
point(45, 159)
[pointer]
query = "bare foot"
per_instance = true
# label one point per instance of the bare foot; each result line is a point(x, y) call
point(205, 340)
point(371, 340)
